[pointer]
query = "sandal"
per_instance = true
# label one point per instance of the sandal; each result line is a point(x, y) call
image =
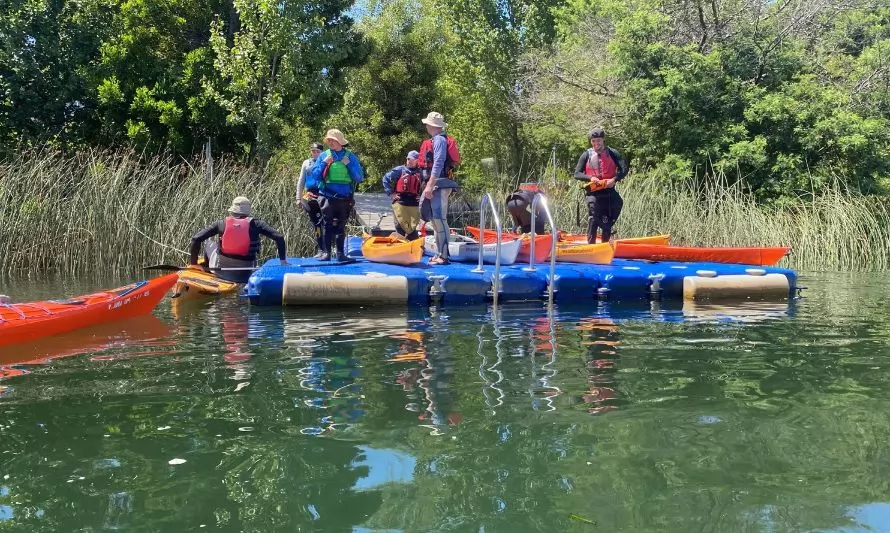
point(439, 261)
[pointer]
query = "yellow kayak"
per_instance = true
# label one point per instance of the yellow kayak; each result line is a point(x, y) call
point(194, 283)
point(595, 254)
point(579, 238)
point(392, 250)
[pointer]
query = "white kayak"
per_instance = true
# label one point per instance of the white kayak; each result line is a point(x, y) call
point(466, 250)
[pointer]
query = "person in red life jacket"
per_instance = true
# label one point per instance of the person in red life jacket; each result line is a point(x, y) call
point(519, 204)
point(600, 168)
point(308, 198)
point(239, 242)
point(439, 157)
point(335, 174)
point(404, 185)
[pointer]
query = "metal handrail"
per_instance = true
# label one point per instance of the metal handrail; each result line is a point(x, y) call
point(541, 199)
point(496, 281)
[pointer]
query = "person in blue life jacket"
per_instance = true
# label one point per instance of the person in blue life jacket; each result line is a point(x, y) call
point(403, 185)
point(308, 198)
point(439, 157)
point(335, 174)
point(238, 245)
point(600, 168)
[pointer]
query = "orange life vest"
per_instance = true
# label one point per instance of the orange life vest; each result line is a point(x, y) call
point(409, 183)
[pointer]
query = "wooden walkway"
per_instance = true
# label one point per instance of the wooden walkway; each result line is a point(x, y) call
point(374, 209)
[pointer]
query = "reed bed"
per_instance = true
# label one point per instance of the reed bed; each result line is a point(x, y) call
point(111, 211)
point(100, 211)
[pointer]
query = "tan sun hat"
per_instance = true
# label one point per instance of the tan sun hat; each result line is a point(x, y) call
point(435, 119)
point(337, 135)
point(240, 206)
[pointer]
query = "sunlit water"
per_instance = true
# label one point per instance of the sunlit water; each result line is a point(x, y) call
point(634, 417)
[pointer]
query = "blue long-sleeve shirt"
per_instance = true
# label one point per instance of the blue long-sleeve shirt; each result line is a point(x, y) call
point(391, 177)
point(335, 190)
point(440, 153)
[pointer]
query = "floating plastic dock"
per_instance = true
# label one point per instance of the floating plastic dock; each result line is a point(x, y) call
point(310, 282)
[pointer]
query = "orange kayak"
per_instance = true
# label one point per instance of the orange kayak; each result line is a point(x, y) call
point(144, 330)
point(761, 256)
point(581, 238)
point(29, 321)
point(542, 243)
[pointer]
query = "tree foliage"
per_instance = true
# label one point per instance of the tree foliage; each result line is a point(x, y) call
point(769, 93)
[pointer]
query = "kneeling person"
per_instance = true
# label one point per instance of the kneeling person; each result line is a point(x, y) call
point(519, 204)
point(404, 185)
point(239, 242)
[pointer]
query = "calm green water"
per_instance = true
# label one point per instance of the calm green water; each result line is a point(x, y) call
point(614, 418)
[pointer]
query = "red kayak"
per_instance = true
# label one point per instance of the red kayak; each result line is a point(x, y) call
point(29, 321)
point(761, 256)
point(542, 243)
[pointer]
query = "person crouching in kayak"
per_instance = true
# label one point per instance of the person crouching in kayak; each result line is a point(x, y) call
point(335, 174)
point(404, 184)
point(239, 243)
point(599, 168)
point(519, 204)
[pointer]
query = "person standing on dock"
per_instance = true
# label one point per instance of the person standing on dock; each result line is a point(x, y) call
point(308, 198)
point(439, 157)
point(239, 243)
point(600, 168)
point(403, 185)
point(335, 174)
point(519, 203)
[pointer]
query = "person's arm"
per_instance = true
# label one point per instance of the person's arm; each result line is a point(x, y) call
point(580, 167)
point(268, 231)
point(355, 168)
point(388, 180)
point(620, 164)
point(313, 177)
point(440, 153)
point(199, 238)
point(304, 171)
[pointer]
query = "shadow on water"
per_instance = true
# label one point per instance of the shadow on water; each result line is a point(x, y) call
point(641, 416)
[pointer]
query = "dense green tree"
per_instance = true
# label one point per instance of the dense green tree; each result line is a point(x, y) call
point(149, 82)
point(45, 93)
point(481, 72)
point(388, 95)
point(280, 62)
point(786, 97)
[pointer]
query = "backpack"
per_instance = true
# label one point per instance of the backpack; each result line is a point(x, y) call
point(452, 156)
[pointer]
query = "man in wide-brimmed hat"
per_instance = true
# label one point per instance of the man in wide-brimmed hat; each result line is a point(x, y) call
point(335, 174)
point(439, 157)
point(239, 242)
point(600, 168)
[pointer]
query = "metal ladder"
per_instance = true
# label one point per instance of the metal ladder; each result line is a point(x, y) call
point(540, 199)
point(487, 200)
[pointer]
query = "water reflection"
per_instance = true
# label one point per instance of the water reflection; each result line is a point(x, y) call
point(638, 416)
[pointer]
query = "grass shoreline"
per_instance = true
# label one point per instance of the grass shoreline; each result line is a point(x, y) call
point(98, 211)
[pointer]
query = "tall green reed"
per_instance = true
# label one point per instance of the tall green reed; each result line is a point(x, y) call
point(832, 231)
point(98, 211)
point(94, 210)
